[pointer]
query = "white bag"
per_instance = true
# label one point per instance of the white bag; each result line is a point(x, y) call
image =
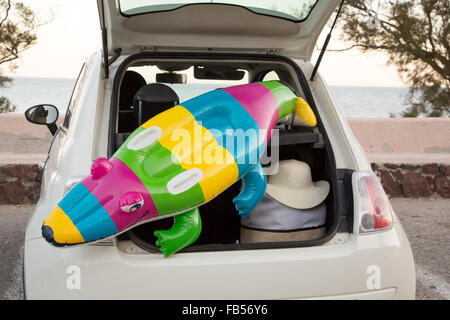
point(272, 221)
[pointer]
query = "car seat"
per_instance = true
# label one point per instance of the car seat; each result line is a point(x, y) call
point(131, 83)
point(153, 99)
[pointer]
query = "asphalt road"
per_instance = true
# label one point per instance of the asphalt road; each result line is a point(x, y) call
point(427, 223)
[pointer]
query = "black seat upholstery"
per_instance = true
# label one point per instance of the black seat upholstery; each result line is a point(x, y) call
point(153, 99)
point(131, 83)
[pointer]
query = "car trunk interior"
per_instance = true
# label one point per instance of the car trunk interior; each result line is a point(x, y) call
point(221, 224)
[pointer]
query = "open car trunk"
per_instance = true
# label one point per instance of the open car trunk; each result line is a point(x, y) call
point(221, 224)
point(286, 27)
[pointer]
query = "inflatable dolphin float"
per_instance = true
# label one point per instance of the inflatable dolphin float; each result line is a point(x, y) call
point(174, 163)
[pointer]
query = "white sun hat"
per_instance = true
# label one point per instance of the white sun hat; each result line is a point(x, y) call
point(293, 186)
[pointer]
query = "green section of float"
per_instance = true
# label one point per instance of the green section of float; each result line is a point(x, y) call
point(154, 166)
point(285, 98)
point(184, 232)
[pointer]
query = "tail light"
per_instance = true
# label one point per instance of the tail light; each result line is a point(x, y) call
point(374, 211)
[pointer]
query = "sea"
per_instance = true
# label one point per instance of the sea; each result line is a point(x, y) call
point(355, 102)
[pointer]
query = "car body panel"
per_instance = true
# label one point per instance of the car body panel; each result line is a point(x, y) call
point(356, 267)
point(72, 147)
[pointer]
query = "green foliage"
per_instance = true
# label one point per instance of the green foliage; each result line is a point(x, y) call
point(4, 81)
point(17, 33)
point(6, 105)
point(415, 36)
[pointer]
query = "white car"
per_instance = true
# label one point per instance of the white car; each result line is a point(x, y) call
point(196, 46)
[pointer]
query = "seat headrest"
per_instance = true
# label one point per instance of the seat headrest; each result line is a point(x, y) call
point(131, 83)
point(156, 93)
point(153, 99)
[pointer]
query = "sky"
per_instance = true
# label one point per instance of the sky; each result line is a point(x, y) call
point(73, 33)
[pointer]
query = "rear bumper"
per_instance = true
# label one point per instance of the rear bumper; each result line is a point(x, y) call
point(376, 266)
point(383, 294)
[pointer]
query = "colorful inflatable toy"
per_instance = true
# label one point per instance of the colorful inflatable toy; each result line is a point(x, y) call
point(174, 163)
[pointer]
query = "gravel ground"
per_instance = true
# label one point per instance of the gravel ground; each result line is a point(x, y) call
point(426, 221)
point(427, 224)
point(13, 221)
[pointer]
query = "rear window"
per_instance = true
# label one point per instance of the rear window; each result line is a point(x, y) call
point(295, 10)
point(193, 87)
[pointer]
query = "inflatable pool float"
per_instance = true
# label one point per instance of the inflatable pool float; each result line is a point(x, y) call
point(174, 163)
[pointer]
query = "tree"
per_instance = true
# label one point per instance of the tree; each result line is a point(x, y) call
point(17, 33)
point(415, 36)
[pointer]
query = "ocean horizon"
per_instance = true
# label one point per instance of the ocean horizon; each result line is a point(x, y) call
point(354, 101)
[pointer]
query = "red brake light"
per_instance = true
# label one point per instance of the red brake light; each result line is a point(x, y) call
point(374, 208)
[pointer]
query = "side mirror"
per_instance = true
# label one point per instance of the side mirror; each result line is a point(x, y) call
point(45, 114)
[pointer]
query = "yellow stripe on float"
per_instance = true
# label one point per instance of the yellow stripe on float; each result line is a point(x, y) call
point(194, 146)
point(64, 231)
point(304, 112)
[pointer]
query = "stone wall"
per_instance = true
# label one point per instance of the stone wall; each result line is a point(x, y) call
point(414, 181)
point(20, 183)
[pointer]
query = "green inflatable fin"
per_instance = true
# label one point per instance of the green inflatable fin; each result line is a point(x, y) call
point(184, 232)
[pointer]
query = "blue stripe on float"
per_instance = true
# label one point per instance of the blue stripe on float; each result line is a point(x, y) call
point(218, 111)
point(87, 214)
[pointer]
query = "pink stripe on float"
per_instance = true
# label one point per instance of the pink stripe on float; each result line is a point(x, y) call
point(117, 182)
point(259, 103)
